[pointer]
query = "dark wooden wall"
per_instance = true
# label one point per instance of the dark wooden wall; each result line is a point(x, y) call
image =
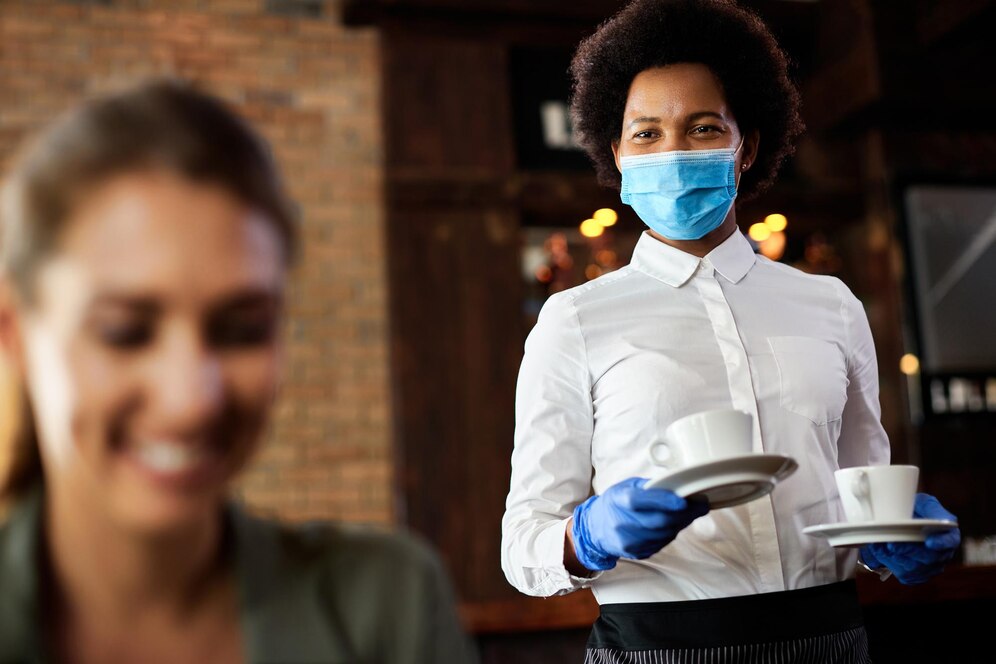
point(454, 207)
point(452, 239)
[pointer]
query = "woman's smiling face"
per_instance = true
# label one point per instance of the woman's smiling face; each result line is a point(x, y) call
point(151, 349)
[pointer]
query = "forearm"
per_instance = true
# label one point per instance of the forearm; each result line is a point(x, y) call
point(571, 562)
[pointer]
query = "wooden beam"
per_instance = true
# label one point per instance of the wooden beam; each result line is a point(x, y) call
point(524, 614)
point(454, 274)
point(938, 19)
point(360, 12)
point(844, 87)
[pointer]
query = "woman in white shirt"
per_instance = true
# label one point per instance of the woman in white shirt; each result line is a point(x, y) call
point(686, 105)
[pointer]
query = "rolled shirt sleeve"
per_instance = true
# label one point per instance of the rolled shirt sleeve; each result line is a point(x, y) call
point(551, 462)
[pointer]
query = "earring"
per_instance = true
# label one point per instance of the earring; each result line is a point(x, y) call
point(744, 166)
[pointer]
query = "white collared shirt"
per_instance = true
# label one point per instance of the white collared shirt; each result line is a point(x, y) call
point(611, 363)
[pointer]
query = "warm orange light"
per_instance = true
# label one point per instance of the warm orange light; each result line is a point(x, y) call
point(909, 364)
point(759, 232)
point(591, 228)
point(592, 271)
point(606, 216)
point(776, 222)
point(544, 274)
point(606, 257)
point(773, 247)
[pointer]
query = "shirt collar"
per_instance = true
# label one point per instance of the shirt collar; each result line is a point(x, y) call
point(733, 259)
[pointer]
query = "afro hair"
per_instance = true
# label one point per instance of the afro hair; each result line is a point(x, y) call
point(733, 42)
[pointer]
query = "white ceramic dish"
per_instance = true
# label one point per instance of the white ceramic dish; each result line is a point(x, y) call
point(727, 482)
point(858, 534)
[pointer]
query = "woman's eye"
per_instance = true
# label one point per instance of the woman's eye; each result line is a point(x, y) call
point(707, 129)
point(241, 332)
point(126, 336)
point(644, 134)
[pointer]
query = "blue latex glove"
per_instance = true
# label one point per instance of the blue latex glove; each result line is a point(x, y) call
point(916, 562)
point(628, 521)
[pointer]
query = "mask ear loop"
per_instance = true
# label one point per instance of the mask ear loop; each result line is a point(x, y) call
point(739, 146)
point(743, 166)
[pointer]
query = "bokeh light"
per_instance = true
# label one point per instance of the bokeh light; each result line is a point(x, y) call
point(776, 222)
point(606, 216)
point(773, 247)
point(759, 232)
point(909, 364)
point(591, 228)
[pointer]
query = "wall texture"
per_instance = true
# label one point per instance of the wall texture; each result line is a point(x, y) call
point(311, 86)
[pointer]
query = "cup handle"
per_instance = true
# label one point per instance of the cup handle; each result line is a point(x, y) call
point(861, 488)
point(668, 457)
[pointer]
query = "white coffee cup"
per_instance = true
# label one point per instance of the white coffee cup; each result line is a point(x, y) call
point(704, 437)
point(877, 493)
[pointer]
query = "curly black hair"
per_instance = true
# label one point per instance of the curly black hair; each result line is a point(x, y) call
point(733, 42)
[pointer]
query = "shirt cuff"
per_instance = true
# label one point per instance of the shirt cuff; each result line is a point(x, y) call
point(558, 581)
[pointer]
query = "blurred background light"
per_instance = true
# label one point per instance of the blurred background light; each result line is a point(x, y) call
point(773, 247)
point(605, 216)
point(591, 228)
point(759, 232)
point(776, 222)
point(909, 364)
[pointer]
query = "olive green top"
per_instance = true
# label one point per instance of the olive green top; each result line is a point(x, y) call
point(312, 593)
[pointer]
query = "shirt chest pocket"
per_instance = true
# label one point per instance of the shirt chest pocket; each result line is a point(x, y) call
point(812, 377)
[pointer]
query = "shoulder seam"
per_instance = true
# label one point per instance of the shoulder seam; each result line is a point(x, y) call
point(578, 291)
point(845, 316)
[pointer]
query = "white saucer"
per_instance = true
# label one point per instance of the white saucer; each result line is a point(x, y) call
point(727, 482)
point(856, 534)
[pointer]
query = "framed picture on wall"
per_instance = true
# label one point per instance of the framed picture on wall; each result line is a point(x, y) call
point(950, 237)
point(541, 85)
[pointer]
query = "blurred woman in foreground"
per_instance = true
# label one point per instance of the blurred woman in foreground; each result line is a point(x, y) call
point(145, 246)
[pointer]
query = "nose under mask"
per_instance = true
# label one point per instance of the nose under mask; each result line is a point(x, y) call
point(681, 194)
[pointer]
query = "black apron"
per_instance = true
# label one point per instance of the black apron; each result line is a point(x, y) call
point(822, 625)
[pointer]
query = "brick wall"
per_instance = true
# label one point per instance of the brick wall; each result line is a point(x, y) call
point(311, 86)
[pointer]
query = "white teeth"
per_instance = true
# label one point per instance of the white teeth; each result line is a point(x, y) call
point(169, 457)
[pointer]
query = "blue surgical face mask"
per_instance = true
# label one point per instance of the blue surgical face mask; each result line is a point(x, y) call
point(683, 194)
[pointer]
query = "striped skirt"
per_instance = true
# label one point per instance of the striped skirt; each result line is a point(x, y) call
point(822, 625)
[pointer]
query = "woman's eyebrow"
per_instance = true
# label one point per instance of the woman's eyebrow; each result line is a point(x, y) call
point(250, 298)
point(698, 115)
point(149, 305)
point(137, 303)
point(691, 117)
point(642, 119)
